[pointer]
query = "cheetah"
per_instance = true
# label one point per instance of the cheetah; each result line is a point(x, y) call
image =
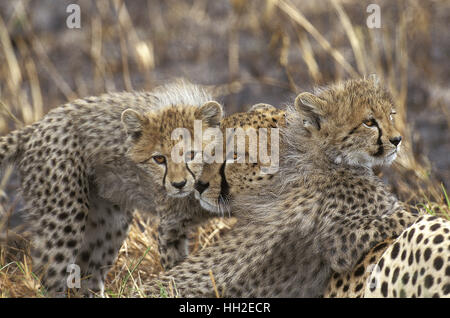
point(416, 264)
point(87, 165)
point(322, 212)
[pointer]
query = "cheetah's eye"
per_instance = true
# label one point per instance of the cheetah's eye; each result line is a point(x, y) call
point(159, 159)
point(369, 123)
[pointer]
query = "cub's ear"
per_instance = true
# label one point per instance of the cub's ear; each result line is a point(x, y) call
point(133, 122)
point(261, 106)
point(309, 106)
point(211, 112)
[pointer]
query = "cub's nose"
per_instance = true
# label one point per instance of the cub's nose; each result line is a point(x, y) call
point(201, 186)
point(396, 140)
point(179, 185)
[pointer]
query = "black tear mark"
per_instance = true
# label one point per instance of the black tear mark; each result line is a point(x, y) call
point(350, 133)
point(136, 135)
point(165, 174)
point(224, 186)
point(187, 167)
point(380, 144)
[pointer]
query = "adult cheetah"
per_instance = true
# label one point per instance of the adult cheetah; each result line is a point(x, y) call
point(416, 264)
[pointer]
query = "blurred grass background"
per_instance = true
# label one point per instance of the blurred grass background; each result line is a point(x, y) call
point(249, 51)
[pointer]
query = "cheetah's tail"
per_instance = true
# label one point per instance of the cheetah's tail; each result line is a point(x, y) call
point(10, 146)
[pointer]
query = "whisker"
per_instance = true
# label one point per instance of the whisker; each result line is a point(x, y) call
point(220, 206)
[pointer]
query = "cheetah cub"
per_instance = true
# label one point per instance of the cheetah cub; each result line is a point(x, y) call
point(87, 165)
point(323, 211)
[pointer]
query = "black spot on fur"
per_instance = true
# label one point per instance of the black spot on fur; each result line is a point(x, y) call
point(59, 258)
point(395, 250)
point(438, 263)
point(359, 271)
point(384, 289)
point(438, 239)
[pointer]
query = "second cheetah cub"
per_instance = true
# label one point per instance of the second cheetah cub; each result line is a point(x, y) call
point(87, 165)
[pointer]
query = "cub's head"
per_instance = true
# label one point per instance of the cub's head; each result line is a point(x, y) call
point(163, 143)
point(221, 181)
point(351, 123)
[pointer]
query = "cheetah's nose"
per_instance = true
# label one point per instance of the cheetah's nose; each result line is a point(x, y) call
point(396, 140)
point(179, 185)
point(201, 186)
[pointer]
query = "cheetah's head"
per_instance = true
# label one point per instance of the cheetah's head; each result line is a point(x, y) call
point(221, 182)
point(161, 147)
point(351, 122)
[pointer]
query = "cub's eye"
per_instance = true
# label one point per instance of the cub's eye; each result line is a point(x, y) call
point(369, 123)
point(159, 159)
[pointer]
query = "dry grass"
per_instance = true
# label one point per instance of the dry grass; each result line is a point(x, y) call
point(249, 51)
point(138, 261)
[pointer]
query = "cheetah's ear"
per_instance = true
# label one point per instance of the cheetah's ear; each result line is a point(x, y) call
point(309, 106)
point(211, 112)
point(133, 122)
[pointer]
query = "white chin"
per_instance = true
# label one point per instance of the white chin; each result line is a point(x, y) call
point(207, 206)
point(358, 160)
point(365, 160)
point(385, 161)
point(390, 158)
point(179, 194)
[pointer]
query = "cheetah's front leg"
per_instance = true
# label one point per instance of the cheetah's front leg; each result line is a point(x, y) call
point(106, 229)
point(172, 242)
point(345, 242)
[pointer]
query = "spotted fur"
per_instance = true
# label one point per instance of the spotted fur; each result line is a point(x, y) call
point(87, 165)
point(352, 284)
point(416, 264)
